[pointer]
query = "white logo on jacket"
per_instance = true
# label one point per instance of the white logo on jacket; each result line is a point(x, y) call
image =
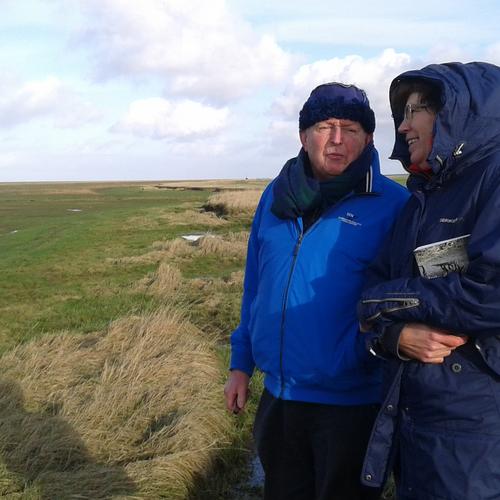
point(349, 219)
point(451, 221)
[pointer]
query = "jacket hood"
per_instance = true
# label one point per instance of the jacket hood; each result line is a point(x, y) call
point(467, 128)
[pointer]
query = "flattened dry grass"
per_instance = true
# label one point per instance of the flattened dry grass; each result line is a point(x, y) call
point(212, 303)
point(134, 412)
point(233, 245)
point(234, 202)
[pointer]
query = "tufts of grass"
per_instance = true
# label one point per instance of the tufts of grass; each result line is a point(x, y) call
point(135, 411)
point(212, 299)
point(234, 202)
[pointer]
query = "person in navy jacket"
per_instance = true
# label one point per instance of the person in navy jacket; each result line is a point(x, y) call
point(317, 226)
point(432, 298)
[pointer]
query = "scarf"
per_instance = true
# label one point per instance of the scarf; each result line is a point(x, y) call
point(297, 192)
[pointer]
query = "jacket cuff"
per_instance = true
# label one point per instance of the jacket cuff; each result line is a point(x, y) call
point(242, 361)
point(389, 341)
point(365, 325)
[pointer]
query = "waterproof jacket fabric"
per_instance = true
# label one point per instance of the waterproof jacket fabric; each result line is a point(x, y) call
point(444, 418)
point(298, 319)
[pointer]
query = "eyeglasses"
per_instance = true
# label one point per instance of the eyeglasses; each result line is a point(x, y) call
point(411, 108)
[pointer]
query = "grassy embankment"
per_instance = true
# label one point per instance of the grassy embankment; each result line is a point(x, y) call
point(114, 340)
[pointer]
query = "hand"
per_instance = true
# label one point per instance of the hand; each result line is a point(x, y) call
point(427, 344)
point(237, 391)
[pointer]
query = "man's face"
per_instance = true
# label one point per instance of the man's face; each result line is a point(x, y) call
point(332, 145)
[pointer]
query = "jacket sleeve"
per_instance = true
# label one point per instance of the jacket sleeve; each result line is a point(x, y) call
point(460, 303)
point(241, 345)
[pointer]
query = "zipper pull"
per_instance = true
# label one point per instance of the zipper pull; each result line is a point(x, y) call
point(297, 246)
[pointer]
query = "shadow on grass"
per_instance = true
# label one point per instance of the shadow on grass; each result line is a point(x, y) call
point(42, 454)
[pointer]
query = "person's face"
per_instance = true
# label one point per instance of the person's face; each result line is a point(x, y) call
point(332, 145)
point(417, 126)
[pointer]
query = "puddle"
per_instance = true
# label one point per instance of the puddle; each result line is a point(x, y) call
point(253, 487)
point(256, 473)
point(196, 236)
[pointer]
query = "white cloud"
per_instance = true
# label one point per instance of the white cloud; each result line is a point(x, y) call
point(48, 98)
point(447, 50)
point(492, 53)
point(197, 46)
point(370, 24)
point(209, 148)
point(201, 78)
point(373, 75)
point(159, 118)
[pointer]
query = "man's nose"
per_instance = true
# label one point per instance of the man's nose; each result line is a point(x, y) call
point(336, 135)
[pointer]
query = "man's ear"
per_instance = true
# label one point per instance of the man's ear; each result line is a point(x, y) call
point(303, 139)
point(368, 139)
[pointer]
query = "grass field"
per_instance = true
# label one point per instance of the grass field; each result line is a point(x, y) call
point(114, 334)
point(114, 337)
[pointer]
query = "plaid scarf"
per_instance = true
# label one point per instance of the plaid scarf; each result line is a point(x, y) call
point(297, 192)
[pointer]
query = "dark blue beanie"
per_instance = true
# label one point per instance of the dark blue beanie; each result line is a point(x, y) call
point(336, 100)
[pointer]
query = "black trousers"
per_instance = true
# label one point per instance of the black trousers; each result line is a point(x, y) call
point(313, 451)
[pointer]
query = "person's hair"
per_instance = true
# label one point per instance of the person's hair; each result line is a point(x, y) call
point(429, 94)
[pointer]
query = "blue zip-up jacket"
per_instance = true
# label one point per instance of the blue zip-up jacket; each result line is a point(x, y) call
point(298, 319)
point(444, 419)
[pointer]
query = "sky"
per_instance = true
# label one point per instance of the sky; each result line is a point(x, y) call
point(101, 90)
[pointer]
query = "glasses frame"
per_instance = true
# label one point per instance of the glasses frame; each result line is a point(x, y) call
point(410, 108)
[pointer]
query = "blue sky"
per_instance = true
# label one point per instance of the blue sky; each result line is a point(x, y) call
point(204, 89)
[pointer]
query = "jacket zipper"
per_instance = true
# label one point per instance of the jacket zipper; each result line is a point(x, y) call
point(402, 303)
point(295, 253)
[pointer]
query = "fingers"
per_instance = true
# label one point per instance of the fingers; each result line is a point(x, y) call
point(445, 339)
point(237, 392)
point(240, 403)
point(242, 399)
point(427, 344)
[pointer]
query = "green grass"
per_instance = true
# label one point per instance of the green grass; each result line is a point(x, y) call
point(56, 270)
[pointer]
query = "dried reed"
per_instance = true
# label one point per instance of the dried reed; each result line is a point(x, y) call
point(234, 202)
point(233, 246)
point(134, 412)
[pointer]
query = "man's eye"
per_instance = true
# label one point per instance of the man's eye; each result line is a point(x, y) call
point(351, 131)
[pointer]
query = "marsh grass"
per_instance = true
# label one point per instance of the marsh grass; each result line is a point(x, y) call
point(234, 202)
point(115, 349)
point(114, 332)
point(134, 410)
point(59, 270)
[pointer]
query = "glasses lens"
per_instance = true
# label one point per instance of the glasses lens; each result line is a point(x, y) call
point(411, 108)
point(408, 115)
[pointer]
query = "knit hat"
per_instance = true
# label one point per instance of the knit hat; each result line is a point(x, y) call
point(340, 101)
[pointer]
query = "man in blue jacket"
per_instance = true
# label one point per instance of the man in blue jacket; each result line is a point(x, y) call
point(318, 225)
point(433, 294)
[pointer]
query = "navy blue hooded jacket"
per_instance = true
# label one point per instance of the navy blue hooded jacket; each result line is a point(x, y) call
point(444, 418)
